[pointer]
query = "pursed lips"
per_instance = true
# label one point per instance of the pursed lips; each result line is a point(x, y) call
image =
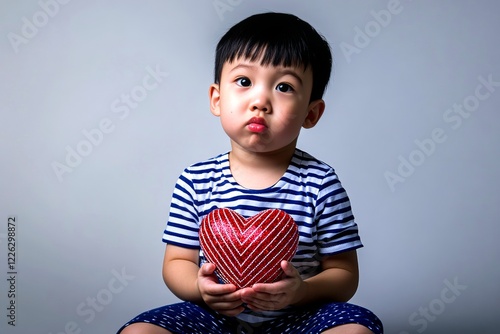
point(257, 124)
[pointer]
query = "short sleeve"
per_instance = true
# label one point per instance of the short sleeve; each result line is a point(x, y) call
point(183, 223)
point(336, 229)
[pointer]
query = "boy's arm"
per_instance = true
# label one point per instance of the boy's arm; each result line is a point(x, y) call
point(180, 272)
point(338, 280)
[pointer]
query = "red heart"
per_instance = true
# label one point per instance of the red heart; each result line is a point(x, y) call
point(248, 251)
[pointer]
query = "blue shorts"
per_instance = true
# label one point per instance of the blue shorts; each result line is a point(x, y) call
point(192, 318)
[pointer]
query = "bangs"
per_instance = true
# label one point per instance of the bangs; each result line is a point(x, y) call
point(275, 52)
point(277, 39)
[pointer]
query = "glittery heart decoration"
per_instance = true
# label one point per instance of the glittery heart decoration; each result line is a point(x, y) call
point(248, 251)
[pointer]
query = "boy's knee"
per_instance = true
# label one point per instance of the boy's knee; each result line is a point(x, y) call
point(349, 329)
point(143, 328)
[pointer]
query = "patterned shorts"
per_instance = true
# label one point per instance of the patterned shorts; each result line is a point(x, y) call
point(189, 318)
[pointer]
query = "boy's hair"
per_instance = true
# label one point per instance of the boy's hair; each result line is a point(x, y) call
point(280, 39)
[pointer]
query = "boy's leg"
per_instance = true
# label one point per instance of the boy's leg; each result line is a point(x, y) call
point(184, 317)
point(327, 318)
point(144, 328)
point(348, 329)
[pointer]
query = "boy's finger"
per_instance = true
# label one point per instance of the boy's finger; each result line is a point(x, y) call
point(288, 268)
point(207, 269)
point(223, 292)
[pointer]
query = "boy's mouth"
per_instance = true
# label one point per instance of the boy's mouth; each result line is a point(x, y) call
point(257, 124)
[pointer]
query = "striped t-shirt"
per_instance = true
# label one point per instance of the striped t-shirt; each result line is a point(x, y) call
point(309, 191)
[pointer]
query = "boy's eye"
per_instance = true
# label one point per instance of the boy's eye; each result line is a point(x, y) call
point(243, 82)
point(284, 88)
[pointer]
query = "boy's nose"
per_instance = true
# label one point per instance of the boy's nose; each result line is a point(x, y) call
point(257, 107)
point(260, 101)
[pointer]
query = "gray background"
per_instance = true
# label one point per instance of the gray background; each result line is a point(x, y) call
point(436, 226)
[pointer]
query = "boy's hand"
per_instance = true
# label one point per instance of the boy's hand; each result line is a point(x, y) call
point(277, 295)
point(222, 298)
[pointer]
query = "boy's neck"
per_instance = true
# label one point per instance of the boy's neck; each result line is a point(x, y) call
point(255, 170)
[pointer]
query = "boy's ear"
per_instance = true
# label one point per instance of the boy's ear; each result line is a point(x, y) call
point(315, 112)
point(214, 97)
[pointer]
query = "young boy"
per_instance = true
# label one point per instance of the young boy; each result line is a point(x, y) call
point(271, 71)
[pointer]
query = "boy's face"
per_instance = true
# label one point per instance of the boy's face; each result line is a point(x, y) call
point(263, 108)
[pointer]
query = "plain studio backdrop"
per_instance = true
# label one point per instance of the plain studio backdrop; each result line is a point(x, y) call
point(104, 103)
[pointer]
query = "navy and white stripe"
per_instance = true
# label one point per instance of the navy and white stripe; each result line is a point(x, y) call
point(309, 191)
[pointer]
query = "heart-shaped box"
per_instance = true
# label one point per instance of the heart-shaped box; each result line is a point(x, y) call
point(248, 251)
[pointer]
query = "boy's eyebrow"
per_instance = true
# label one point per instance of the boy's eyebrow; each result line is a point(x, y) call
point(282, 71)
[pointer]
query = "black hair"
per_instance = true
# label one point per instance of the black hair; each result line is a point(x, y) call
point(279, 39)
